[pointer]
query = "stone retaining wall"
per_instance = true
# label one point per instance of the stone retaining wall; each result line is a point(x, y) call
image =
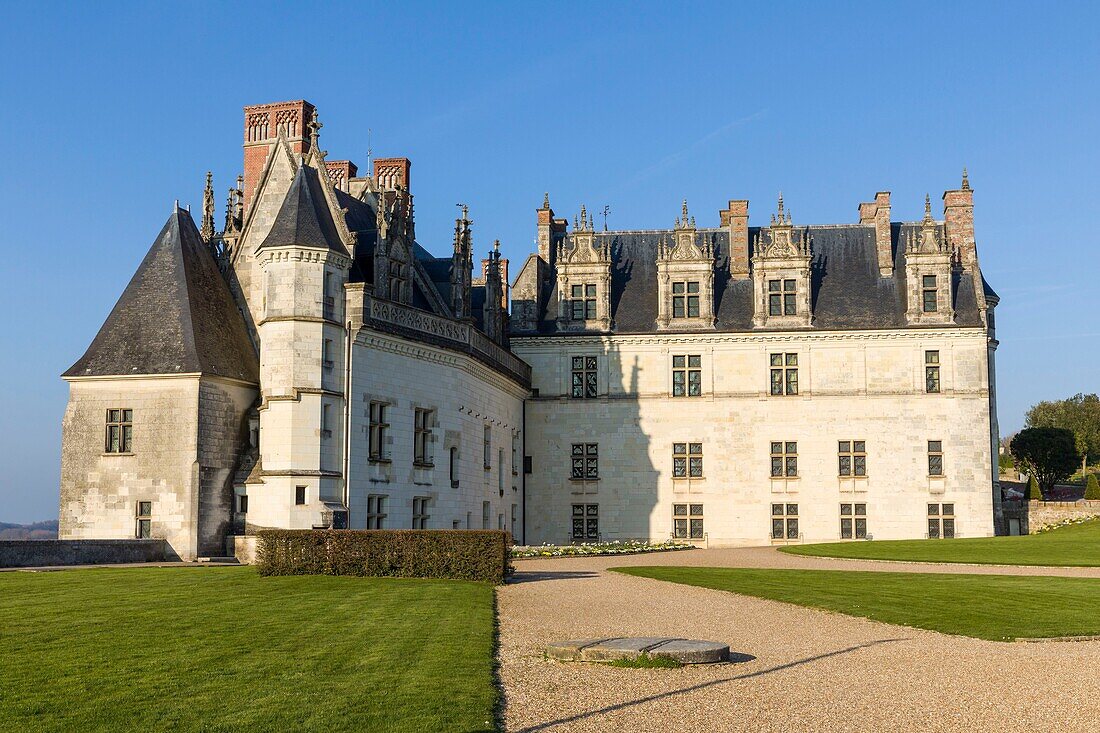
point(35, 553)
point(242, 547)
point(1042, 514)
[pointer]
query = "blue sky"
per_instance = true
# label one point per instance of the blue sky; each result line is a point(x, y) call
point(114, 111)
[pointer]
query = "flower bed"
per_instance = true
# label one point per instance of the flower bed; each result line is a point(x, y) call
point(586, 549)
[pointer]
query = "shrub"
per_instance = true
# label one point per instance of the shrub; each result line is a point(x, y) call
point(1092, 488)
point(402, 553)
point(1033, 490)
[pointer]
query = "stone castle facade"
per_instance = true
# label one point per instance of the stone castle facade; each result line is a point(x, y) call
point(310, 364)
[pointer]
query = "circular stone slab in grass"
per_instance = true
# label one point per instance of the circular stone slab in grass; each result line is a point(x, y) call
point(610, 649)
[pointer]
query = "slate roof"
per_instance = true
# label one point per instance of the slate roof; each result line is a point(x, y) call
point(304, 217)
point(847, 292)
point(176, 316)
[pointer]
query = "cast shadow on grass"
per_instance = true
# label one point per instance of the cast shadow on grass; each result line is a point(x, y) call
point(703, 685)
point(531, 576)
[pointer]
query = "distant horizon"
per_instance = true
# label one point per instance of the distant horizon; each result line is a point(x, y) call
point(637, 107)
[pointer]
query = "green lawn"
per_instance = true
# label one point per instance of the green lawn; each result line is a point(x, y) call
point(996, 607)
point(222, 649)
point(1076, 545)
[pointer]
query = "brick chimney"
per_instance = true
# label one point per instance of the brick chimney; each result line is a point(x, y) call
point(262, 124)
point(877, 212)
point(389, 173)
point(341, 172)
point(958, 216)
point(736, 219)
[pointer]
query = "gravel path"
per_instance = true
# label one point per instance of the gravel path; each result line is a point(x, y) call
point(809, 670)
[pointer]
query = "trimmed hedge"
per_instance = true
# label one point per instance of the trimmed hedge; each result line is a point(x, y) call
point(396, 553)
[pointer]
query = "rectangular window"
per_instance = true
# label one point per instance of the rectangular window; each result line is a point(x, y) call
point(687, 375)
point(784, 459)
point(242, 503)
point(486, 509)
point(420, 512)
point(378, 426)
point(782, 299)
point(326, 426)
point(941, 521)
point(583, 302)
point(784, 374)
point(585, 461)
point(326, 354)
point(328, 308)
point(584, 376)
point(685, 299)
point(144, 520)
point(422, 436)
point(935, 458)
point(515, 513)
point(487, 447)
point(932, 372)
point(586, 522)
point(784, 521)
point(515, 454)
point(853, 521)
point(120, 431)
point(452, 467)
point(299, 495)
point(852, 457)
point(928, 283)
point(687, 460)
point(687, 521)
point(376, 511)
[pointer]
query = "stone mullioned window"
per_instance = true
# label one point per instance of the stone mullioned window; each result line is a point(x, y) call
point(120, 431)
point(687, 375)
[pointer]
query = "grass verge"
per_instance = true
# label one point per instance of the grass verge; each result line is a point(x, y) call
point(994, 607)
point(222, 649)
point(1073, 546)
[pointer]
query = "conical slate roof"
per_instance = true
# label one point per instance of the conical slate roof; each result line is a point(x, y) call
point(304, 217)
point(176, 316)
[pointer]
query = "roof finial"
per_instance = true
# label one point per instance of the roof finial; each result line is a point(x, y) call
point(207, 231)
point(496, 247)
point(927, 208)
point(966, 181)
point(781, 205)
point(546, 200)
point(684, 211)
point(315, 126)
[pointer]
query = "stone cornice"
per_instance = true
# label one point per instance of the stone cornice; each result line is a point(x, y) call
point(552, 341)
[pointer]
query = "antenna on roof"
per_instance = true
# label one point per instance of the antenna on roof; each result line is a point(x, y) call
point(605, 212)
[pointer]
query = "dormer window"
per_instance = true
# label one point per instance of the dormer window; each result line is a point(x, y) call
point(685, 299)
point(929, 293)
point(782, 299)
point(583, 302)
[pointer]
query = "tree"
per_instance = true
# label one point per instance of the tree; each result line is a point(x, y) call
point(1033, 492)
point(1080, 413)
point(1047, 454)
point(1092, 488)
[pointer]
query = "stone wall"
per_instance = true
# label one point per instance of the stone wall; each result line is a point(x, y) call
point(466, 398)
point(1044, 514)
point(41, 553)
point(852, 386)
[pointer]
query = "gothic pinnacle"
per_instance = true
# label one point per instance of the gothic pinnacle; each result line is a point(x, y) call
point(927, 208)
point(315, 126)
point(966, 181)
point(207, 231)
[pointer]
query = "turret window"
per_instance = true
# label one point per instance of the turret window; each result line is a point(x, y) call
point(685, 300)
point(781, 298)
point(929, 293)
point(583, 302)
point(120, 431)
point(378, 427)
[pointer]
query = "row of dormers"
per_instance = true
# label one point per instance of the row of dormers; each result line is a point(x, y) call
point(923, 273)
